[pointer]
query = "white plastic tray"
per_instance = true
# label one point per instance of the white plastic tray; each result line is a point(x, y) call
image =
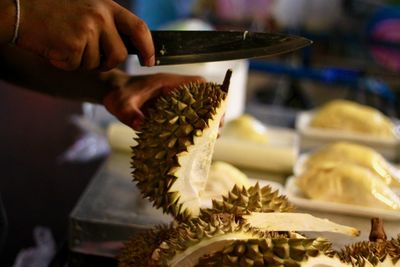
point(311, 137)
point(296, 197)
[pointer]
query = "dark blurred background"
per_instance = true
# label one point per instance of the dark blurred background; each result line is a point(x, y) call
point(355, 55)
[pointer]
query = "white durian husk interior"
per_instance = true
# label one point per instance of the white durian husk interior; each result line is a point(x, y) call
point(195, 165)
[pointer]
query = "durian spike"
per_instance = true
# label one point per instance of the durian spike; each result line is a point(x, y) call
point(377, 233)
point(227, 80)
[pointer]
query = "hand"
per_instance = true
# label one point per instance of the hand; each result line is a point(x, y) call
point(82, 34)
point(126, 100)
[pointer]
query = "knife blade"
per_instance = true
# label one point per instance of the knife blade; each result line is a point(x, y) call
point(182, 47)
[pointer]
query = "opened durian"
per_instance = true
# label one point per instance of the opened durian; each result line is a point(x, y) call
point(338, 182)
point(172, 158)
point(244, 214)
point(378, 251)
point(357, 154)
point(171, 166)
point(349, 116)
point(304, 252)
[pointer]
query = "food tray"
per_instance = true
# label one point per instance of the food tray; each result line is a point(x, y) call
point(296, 197)
point(312, 138)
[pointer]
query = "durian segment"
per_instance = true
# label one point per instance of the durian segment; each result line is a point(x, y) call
point(173, 155)
point(275, 252)
point(347, 183)
point(300, 222)
point(188, 240)
point(246, 127)
point(221, 178)
point(357, 154)
point(349, 116)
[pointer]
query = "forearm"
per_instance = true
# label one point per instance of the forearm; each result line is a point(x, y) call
point(32, 72)
point(8, 15)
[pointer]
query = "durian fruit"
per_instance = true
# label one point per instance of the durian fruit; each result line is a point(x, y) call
point(354, 153)
point(349, 116)
point(186, 241)
point(175, 144)
point(304, 252)
point(348, 183)
point(221, 178)
point(378, 251)
point(246, 127)
point(273, 252)
point(171, 164)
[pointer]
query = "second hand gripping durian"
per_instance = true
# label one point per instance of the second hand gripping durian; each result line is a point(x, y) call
point(170, 166)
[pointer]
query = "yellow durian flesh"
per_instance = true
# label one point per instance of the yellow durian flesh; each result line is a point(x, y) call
point(347, 183)
point(246, 127)
point(357, 154)
point(222, 177)
point(353, 117)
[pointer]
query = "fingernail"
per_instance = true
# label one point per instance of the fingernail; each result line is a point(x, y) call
point(151, 61)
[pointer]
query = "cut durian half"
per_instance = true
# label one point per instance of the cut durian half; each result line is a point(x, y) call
point(377, 251)
point(195, 238)
point(187, 241)
point(175, 146)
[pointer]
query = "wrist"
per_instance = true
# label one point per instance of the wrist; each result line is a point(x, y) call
point(8, 16)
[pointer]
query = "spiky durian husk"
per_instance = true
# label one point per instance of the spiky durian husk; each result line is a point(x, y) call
point(196, 234)
point(372, 252)
point(139, 249)
point(274, 252)
point(242, 201)
point(211, 225)
point(172, 125)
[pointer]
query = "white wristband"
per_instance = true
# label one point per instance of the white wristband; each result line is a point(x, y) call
point(17, 20)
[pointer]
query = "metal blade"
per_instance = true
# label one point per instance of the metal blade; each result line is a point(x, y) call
point(181, 47)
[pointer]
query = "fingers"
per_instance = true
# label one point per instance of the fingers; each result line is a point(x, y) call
point(91, 55)
point(65, 60)
point(128, 112)
point(113, 49)
point(138, 33)
point(129, 101)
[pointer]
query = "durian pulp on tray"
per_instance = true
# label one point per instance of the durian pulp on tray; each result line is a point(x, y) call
point(350, 116)
point(163, 168)
point(344, 120)
point(350, 173)
point(247, 142)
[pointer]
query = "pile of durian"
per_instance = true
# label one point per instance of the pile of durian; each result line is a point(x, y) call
point(247, 226)
point(349, 116)
point(336, 171)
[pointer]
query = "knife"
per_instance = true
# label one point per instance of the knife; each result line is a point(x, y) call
point(182, 47)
